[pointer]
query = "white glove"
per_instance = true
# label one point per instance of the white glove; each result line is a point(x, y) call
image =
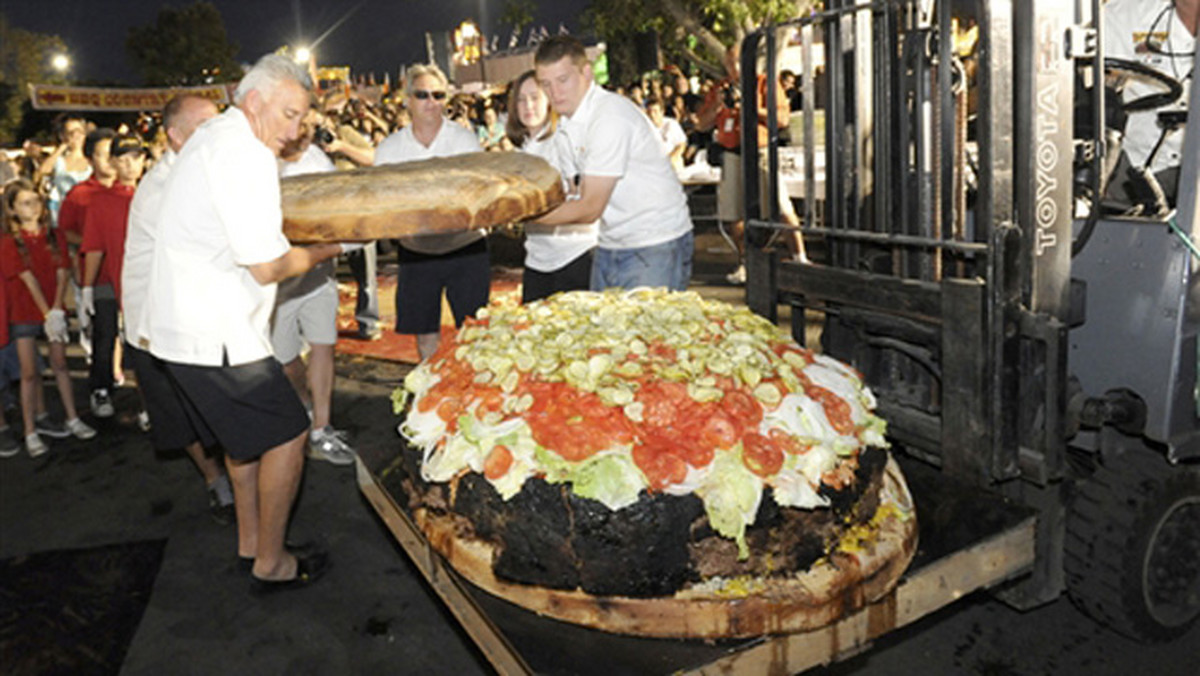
point(87, 302)
point(56, 326)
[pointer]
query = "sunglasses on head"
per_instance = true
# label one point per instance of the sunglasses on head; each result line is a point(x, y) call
point(424, 95)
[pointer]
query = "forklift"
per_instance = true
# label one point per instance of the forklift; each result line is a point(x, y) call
point(1021, 334)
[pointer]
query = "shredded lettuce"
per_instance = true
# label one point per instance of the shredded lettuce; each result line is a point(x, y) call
point(610, 477)
point(731, 494)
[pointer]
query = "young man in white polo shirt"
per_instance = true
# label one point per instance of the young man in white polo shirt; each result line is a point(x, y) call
point(645, 236)
point(219, 253)
point(457, 263)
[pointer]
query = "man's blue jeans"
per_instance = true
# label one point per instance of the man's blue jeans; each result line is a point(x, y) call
point(668, 264)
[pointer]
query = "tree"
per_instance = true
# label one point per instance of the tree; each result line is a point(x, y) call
point(184, 47)
point(692, 31)
point(24, 60)
point(517, 15)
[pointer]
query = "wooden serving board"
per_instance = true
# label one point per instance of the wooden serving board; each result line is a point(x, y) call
point(831, 590)
point(436, 196)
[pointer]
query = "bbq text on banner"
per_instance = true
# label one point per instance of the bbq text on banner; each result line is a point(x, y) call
point(58, 97)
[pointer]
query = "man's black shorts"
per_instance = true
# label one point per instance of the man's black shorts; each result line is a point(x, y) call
point(170, 427)
point(249, 409)
point(465, 274)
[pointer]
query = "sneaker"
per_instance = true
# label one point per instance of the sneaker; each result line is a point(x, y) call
point(9, 446)
point(35, 445)
point(102, 404)
point(364, 333)
point(143, 421)
point(330, 445)
point(738, 276)
point(44, 425)
point(220, 501)
point(80, 429)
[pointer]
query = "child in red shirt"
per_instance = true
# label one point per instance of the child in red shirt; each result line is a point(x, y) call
point(35, 281)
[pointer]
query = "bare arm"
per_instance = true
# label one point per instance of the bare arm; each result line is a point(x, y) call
point(35, 290)
point(363, 157)
point(594, 192)
point(91, 267)
point(297, 261)
point(63, 275)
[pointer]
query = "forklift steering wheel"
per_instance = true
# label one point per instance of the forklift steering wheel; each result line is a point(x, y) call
point(1173, 89)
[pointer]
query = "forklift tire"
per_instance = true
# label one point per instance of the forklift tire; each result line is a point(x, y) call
point(1132, 551)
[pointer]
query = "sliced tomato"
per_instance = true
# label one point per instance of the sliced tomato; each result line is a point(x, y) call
point(719, 432)
point(742, 408)
point(788, 443)
point(449, 408)
point(661, 467)
point(836, 408)
point(499, 460)
point(761, 455)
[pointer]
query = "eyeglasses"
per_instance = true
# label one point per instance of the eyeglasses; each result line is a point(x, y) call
point(424, 95)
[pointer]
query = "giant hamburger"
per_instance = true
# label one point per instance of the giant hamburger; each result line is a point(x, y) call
point(645, 449)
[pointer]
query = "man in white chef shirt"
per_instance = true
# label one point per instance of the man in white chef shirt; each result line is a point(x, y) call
point(457, 263)
point(219, 253)
point(1160, 34)
point(645, 236)
point(169, 429)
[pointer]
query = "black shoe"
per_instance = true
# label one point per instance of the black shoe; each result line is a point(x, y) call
point(309, 569)
point(245, 564)
point(363, 333)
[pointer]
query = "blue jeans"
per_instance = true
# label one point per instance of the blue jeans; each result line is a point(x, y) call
point(668, 264)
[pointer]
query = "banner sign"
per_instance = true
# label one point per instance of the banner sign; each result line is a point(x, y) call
point(56, 97)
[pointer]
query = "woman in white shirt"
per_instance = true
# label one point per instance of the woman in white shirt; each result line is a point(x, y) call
point(557, 258)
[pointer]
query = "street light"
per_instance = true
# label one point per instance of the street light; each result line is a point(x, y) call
point(302, 54)
point(60, 62)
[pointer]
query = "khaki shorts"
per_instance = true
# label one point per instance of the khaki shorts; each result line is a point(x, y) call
point(731, 195)
point(311, 318)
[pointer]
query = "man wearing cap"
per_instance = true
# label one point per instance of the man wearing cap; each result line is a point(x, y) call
point(103, 247)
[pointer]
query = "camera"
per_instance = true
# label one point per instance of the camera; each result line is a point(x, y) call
point(322, 136)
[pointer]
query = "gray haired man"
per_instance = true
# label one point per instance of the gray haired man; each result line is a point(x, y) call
point(219, 254)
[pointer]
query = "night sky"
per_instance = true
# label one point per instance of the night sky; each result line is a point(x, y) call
point(381, 36)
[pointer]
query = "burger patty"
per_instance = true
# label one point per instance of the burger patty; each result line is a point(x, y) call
point(546, 536)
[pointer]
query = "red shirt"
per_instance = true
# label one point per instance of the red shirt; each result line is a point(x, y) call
point(21, 307)
point(3, 311)
point(104, 228)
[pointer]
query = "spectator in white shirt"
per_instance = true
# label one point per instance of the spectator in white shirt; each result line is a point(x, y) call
point(306, 311)
point(670, 134)
point(456, 263)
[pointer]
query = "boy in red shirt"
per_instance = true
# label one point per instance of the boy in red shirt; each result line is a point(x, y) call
point(103, 247)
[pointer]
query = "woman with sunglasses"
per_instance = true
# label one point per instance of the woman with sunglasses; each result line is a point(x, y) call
point(456, 263)
point(557, 258)
point(35, 280)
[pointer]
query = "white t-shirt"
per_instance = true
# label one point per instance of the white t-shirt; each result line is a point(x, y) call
point(610, 136)
point(1131, 28)
point(403, 146)
point(313, 161)
point(220, 214)
point(550, 251)
point(139, 248)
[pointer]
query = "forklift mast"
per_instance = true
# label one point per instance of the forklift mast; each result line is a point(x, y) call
point(950, 160)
